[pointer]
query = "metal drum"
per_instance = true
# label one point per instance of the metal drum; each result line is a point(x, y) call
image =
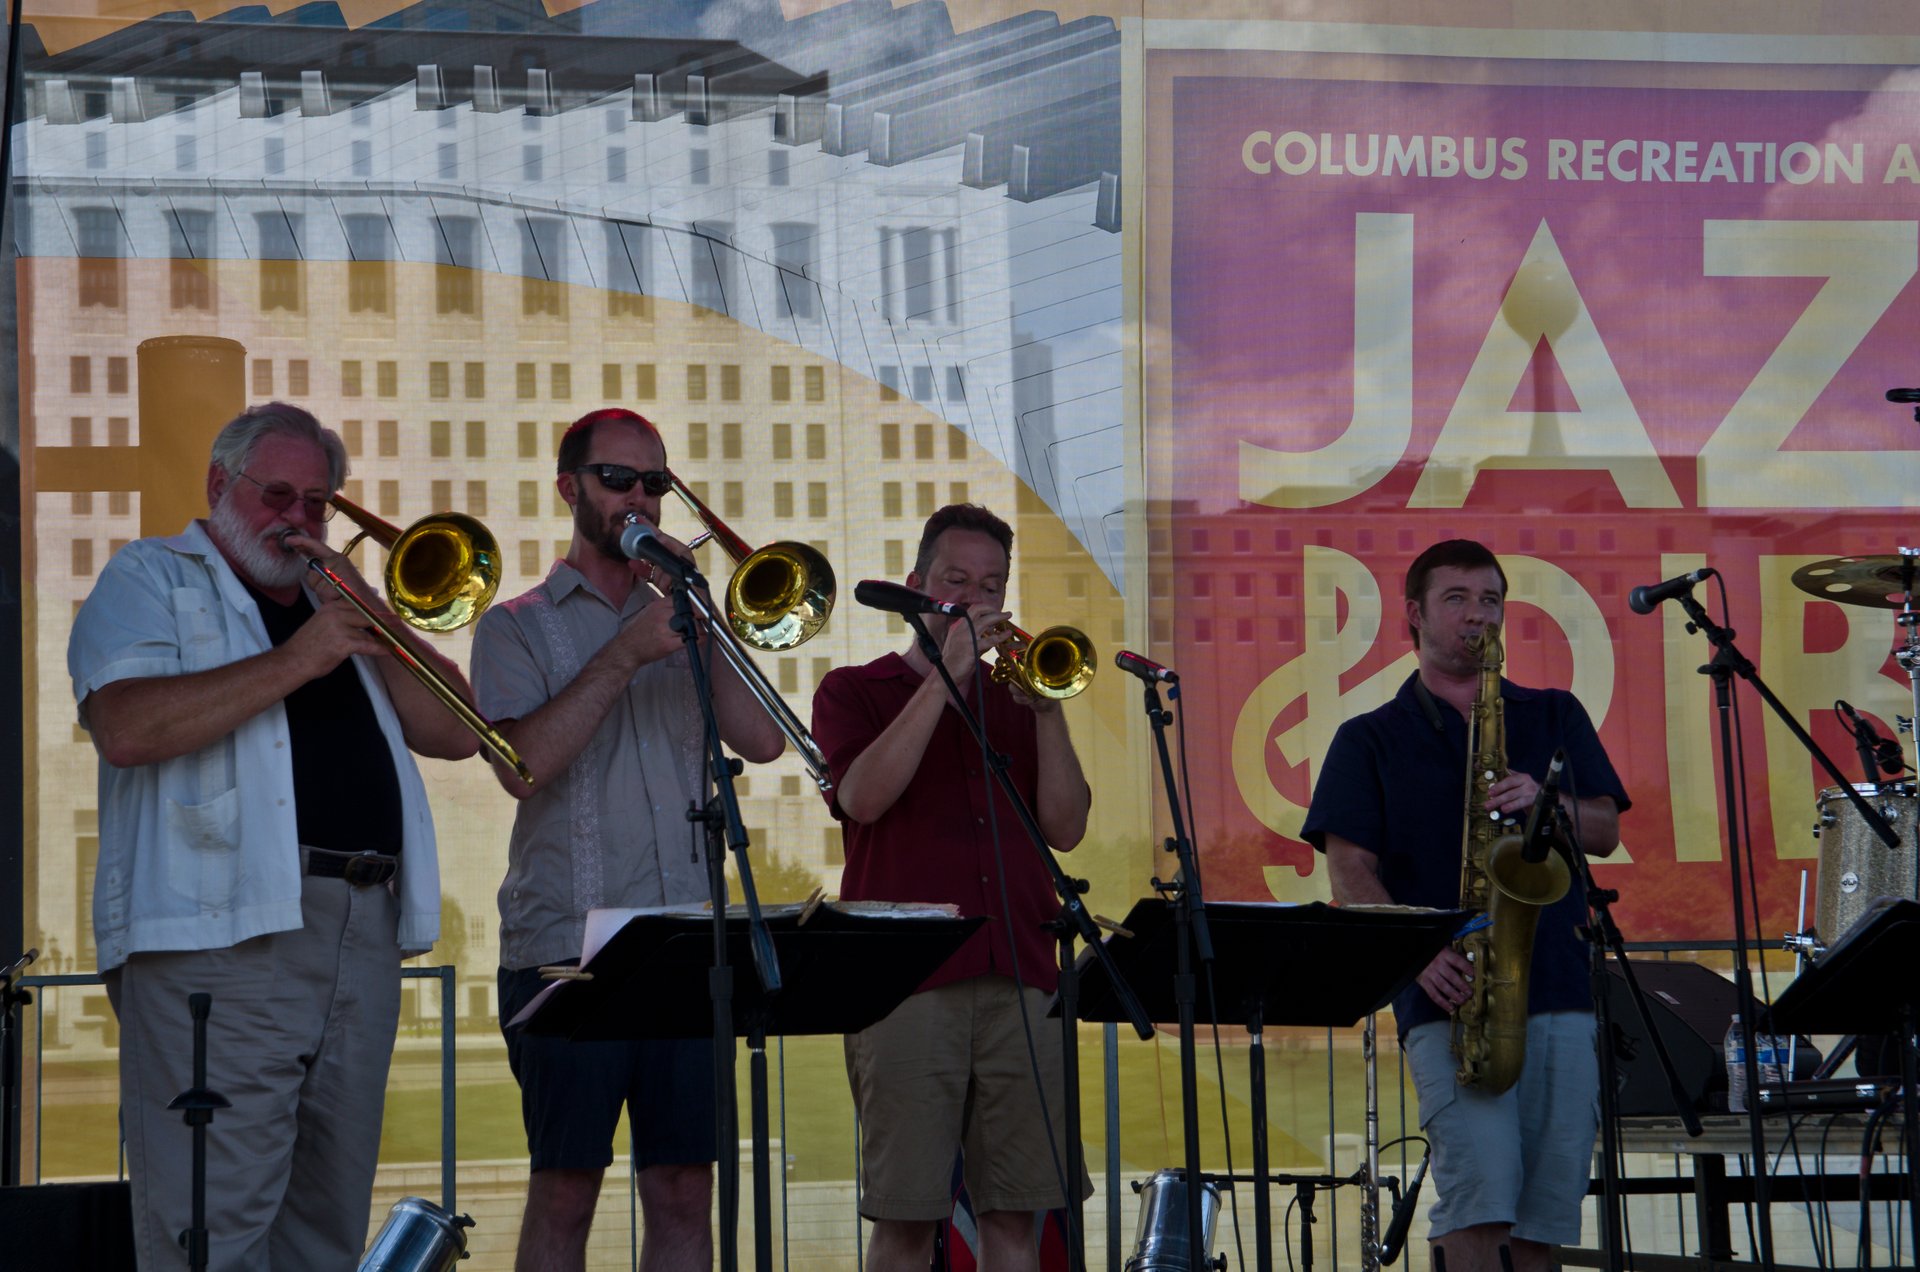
point(418, 1237)
point(1161, 1243)
point(1855, 867)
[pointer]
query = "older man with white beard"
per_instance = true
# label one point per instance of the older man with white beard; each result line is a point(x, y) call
point(265, 839)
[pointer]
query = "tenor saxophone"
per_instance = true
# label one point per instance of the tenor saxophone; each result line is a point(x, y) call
point(1490, 1027)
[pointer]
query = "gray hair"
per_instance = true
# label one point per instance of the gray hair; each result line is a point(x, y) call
point(233, 448)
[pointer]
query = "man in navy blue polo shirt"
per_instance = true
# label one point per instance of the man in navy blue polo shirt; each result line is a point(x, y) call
point(1388, 807)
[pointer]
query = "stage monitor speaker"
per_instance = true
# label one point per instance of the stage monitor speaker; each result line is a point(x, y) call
point(1691, 1006)
point(73, 1227)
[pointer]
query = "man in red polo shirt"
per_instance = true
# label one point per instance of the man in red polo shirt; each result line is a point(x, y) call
point(949, 1071)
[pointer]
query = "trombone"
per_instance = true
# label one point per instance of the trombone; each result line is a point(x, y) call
point(441, 572)
point(1057, 664)
point(779, 596)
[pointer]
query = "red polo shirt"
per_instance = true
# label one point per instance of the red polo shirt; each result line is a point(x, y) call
point(936, 842)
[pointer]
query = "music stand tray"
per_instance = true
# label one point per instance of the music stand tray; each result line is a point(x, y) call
point(1864, 983)
point(842, 970)
point(1313, 964)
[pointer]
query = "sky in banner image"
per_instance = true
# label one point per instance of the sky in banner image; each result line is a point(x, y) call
point(1615, 320)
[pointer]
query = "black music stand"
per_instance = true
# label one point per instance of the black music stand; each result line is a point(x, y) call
point(1864, 984)
point(841, 971)
point(1270, 967)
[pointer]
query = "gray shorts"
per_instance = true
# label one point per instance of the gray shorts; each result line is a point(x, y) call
point(1520, 1158)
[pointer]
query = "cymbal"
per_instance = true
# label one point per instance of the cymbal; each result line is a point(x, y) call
point(1863, 580)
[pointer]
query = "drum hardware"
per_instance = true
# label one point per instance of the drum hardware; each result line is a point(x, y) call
point(1806, 945)
point(418, 1236)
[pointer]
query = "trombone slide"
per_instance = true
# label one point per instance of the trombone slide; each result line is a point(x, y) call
point(764, 693)
point(435, 683)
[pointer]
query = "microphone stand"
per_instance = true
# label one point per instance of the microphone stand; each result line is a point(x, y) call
point(12, 999)
point(1728, 662)
point(1073, 919)
point(1195, 946)
point(725, 830)
point(197, 1104)
point(1603, 936)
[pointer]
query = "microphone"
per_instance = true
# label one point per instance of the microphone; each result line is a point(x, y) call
point(1538, 836)
point(1403, 1214)
point(1642, 600)
point(641, 542)
point(897, 598)
point(1145, 668)
point(1877, 754)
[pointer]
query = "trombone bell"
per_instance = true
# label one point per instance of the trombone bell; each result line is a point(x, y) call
point(441, 571)
point(1057, 664)
point(780, 596)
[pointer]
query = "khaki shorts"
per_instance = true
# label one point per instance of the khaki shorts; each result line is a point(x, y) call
point(948, 1071)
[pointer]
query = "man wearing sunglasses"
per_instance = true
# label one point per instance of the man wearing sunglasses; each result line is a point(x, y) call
point(265, 839)
point(589, 682)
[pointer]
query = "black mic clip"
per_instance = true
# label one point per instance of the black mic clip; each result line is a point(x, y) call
point(1542, 825)
point(1907, 397)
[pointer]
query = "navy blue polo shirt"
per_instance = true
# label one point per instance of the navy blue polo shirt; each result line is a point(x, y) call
point(1395, 784)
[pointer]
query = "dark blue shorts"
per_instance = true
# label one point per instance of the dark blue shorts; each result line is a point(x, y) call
point(571, 1093)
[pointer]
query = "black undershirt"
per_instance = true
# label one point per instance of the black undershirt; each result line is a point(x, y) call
point(346, 794)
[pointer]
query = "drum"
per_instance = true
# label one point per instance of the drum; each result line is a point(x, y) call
point(1161, 1242)
point(418, 1237)
point(1855, 866)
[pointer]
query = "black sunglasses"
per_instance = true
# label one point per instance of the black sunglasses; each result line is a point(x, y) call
point(280, 497)
point(620, 479)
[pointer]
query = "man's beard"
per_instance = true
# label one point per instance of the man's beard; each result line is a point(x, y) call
point(599, 530)
point(260, 558)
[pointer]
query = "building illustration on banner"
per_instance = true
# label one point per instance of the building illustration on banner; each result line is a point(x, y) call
point(803, 246)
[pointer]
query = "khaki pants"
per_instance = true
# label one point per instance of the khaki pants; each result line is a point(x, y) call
point(299, 1039)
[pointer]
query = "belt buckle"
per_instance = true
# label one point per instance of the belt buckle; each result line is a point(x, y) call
point(364, 870)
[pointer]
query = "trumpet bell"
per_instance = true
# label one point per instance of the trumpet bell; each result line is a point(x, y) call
point(442, 571)
point(1058, 663)
point(780, 596)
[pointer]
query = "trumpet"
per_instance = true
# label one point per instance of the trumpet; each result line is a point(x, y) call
point(441, 572)
point(1057, 664)
point(779, 596)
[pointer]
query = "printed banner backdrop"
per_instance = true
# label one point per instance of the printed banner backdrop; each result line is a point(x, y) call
point(1228, 328)
point(1616, 322)
point(857, 260)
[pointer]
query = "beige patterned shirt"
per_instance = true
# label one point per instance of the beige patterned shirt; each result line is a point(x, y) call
point(613, 829)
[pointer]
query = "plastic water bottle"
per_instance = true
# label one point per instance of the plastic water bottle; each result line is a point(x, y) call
point(1772, 1051)
point(1736, 1051)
